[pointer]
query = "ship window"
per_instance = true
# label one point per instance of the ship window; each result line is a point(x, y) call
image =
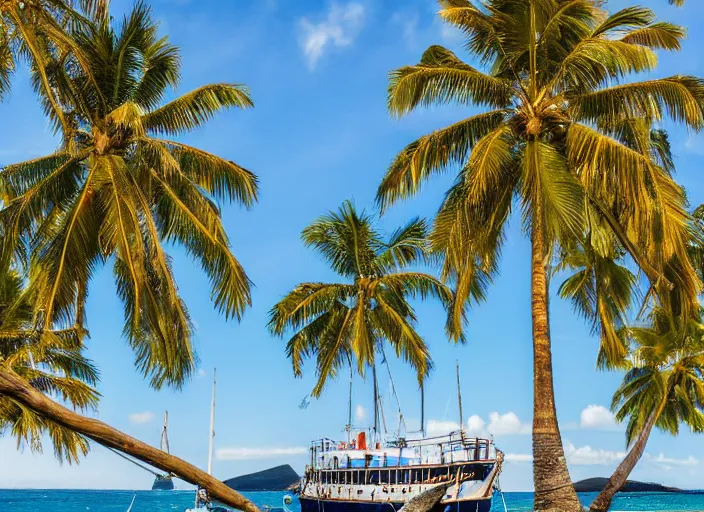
point(355, 477)
point(392, 476)
point(372, 477)
point(335, 463)
point(416, 476)
point(324, 476)
point(384, 477)
point(405, 476)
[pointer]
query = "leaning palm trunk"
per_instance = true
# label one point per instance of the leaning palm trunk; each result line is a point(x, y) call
point(553, 486)
point(620, 476)
point(17, 389)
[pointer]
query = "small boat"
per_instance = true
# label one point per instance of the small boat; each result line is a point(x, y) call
point(164, 482)
point(202, 501)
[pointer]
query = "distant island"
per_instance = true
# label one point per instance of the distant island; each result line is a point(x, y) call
point(274, 479)
point(597, 484)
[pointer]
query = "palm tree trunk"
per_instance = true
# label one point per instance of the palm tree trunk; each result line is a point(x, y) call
point(19, 390)
point(620, 476)
point(553, 487)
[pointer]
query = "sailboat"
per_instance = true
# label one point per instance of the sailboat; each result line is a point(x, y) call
point(164, 482)
point(203, 503)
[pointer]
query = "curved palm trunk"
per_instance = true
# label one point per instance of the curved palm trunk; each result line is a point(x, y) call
point(553, 487)
point(620, 476)
point(18, 389)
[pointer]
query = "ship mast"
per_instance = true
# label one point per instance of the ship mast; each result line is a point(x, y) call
point(459, 397)
point(349, 410)
point(212, 427)
point(376, 402)
point(422, 408)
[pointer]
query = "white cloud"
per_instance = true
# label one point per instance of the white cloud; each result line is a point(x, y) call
point(140, 418)
point(597, 417)
point(518, 457)
point(202, 372)
point(499, 425)
point(339, 28)
point(440, 428)
point(588, 456)
point(506, 424)
point(476, 426)
point(661, 459)
point(360, 413)
point(258, 453)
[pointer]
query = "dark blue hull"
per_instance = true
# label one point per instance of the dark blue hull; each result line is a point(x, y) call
point(163, 483)
point(312, 505)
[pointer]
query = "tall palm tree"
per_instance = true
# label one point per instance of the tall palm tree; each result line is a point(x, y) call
point(565, 136)
point(347, 322)
point(52, 363)
point(36, 31)
point(116, 191)
point(663, 388)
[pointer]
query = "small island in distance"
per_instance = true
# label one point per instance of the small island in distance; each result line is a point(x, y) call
point(279, 478)
point(597, 484)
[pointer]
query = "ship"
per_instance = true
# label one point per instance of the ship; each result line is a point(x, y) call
point(367, 474)
point(355, 477)
point(164, 482)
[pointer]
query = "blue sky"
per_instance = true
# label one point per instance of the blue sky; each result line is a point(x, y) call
point(319, 134)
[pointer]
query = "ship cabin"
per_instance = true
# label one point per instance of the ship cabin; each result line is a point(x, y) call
point(454, 457)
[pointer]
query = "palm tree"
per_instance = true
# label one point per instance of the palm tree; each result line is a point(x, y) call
point(663, 388)
point(565, 136)
point(116, 191)
point(602, 291)
point(36, 30)
point(348, 322)
point(52, 363)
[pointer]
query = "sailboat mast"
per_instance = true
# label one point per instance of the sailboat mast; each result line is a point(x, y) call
point(349, 411)
point(422, 408)
point(376, 402)
point(459, 396)
point(164, 434)
point(212, 427)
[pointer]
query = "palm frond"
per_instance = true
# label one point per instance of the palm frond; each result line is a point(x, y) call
point(195, 108)
point(434, 153)
point(681, 97)
point(407, 245)
point(443, 78)
point(660, 36)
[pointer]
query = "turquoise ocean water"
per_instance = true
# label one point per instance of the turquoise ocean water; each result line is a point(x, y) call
point(178, 501)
